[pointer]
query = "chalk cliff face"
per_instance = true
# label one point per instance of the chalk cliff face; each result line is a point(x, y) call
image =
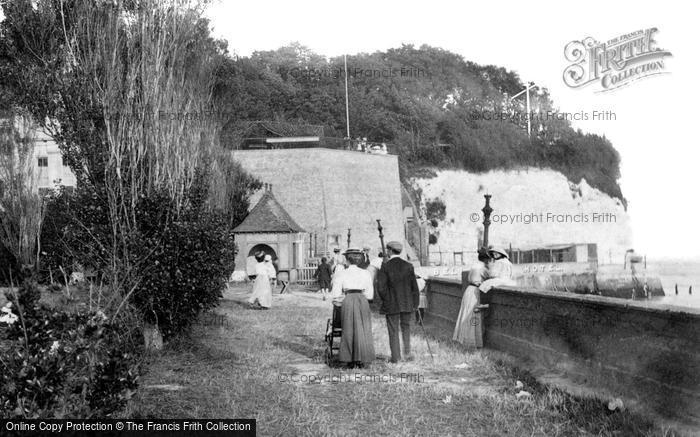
point(531, 207)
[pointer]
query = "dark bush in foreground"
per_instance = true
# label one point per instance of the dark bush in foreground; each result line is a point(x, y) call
point(59, 365)
point(187, 270)
point(186, 261)
point(182, 255)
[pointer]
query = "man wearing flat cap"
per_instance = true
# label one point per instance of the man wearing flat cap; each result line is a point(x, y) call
point(398, 290)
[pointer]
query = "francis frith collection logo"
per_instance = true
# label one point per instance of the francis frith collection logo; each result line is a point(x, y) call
point(614, 63)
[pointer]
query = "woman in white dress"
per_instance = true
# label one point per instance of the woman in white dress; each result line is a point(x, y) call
point(500, 270)
point(271, 270)
point(262, 291)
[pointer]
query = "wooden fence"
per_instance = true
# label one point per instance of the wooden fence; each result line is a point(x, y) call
point(305, 276)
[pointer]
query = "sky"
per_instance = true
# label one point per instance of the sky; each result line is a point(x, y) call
point(654, 128)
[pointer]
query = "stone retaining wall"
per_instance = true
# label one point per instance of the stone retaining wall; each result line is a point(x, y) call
point(642, 351)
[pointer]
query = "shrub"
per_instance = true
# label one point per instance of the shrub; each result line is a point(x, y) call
point(188, 266)
point(65, 365)
point(179, 257)
point(186, 261)
point(76, 230)
point(435, 210)
point(9, 268)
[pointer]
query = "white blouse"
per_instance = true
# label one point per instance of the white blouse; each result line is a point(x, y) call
point(352, 278)
point(271, 272)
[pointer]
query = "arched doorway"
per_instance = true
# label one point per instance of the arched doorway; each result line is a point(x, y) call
point(251, 262)
point(265, 248)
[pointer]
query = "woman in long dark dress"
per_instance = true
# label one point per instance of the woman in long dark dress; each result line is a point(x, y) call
point(354, 288)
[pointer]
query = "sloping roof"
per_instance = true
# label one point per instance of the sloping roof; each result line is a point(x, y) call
point(268, 216)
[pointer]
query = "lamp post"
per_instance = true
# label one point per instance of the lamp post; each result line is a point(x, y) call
point(348, 238)
point(381, 238)
point(347, 104)
point(487, 210)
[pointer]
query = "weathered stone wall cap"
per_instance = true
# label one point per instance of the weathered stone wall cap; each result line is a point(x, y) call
point(640, 305)
point(327, 150)
point(456, 280)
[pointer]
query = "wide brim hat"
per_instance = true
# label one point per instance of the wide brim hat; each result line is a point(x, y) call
point(499, 250)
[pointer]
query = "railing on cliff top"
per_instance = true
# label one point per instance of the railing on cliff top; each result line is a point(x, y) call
point(355, 145)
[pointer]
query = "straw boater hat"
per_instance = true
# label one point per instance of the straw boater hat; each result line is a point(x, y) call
point(351, 250)
point(499, 251)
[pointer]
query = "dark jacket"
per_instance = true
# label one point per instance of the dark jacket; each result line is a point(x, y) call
point(323, 273)
point(397, 287)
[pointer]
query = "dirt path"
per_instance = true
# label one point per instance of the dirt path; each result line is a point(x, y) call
point(268, 365)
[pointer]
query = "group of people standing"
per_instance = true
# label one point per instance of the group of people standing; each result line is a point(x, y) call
point(352, 278)
point(493, 268)
point(353, 288)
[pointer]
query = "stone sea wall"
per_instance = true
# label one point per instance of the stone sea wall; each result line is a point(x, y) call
point(646, 353)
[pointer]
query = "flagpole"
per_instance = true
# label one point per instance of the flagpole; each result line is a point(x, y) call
point(527, 99)
point(347, 105)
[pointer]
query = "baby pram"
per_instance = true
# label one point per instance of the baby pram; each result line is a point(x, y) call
point(334, 331)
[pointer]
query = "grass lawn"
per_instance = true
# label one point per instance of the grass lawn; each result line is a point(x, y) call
point(268, 365)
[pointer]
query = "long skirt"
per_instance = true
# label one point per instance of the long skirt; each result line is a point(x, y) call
point(262, 292)
point(468, 328)
point(356, 344)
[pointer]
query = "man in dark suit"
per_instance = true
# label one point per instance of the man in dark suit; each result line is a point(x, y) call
point(398, 291)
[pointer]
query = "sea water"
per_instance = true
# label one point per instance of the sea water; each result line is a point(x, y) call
point(683, 273)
